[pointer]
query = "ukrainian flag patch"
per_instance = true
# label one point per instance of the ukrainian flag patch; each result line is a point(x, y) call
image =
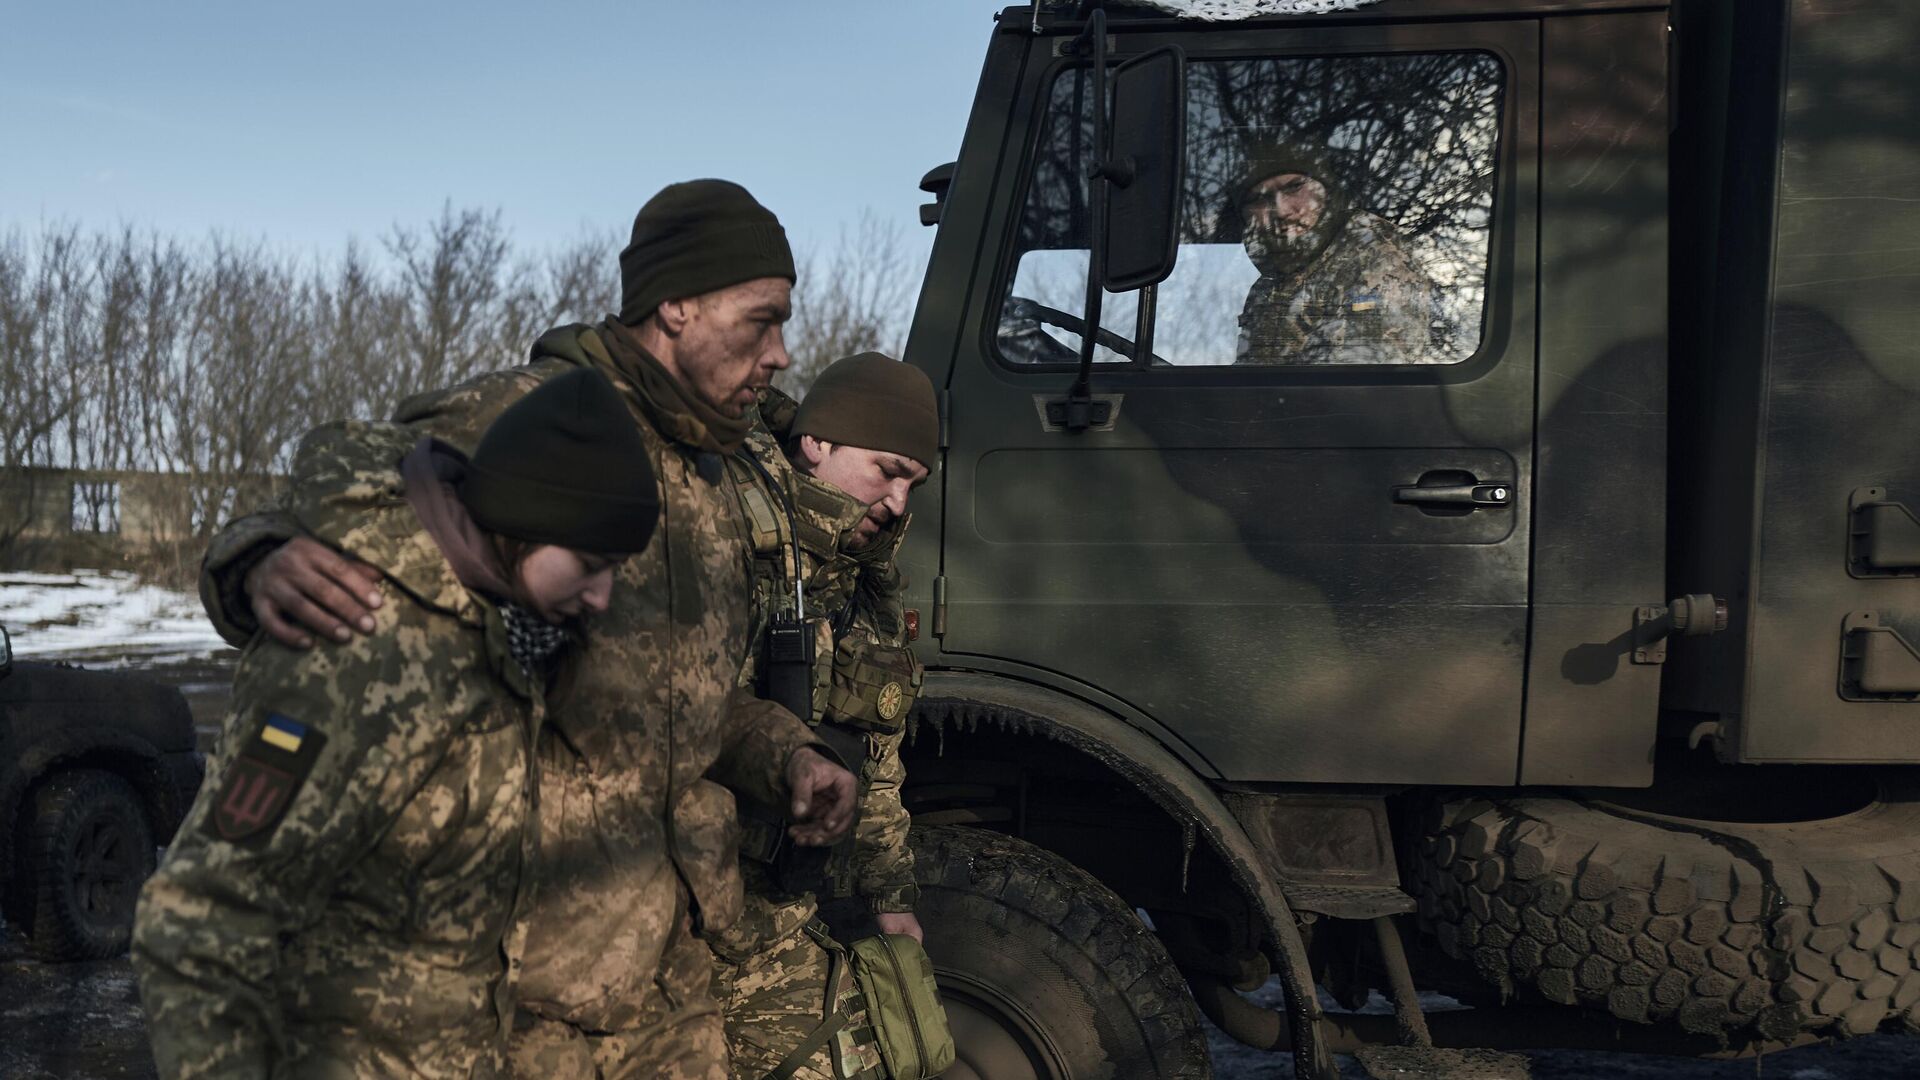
point(262, 780)
point(283, 732)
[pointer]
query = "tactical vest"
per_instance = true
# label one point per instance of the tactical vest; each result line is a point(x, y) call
point(859, 684)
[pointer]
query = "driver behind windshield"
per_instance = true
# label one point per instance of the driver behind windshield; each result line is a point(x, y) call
point(1336, 283)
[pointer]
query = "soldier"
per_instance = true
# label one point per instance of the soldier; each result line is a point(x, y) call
point(825, 486)
point(326, 909)
point(1336, 285)
point(637, 835)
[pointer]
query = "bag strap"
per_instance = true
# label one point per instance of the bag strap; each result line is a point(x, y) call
point(836, 969)
point(812, 1043)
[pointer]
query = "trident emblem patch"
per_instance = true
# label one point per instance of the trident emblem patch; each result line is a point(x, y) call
point(262, 780)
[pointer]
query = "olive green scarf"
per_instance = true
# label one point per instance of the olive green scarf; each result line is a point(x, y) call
point(674, 408)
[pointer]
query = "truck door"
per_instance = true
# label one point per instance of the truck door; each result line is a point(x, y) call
point(1298, 545)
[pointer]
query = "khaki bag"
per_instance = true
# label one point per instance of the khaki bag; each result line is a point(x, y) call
point(905, 1019)
point(903, 1005)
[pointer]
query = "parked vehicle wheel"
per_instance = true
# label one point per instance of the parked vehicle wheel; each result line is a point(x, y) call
point(88, 848)
point(1044, 972)
point(1734, 928)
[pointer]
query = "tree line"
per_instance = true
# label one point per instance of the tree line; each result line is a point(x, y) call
point(128, 349)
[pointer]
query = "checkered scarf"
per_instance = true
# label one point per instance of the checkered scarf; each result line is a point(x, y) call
point(531, 640)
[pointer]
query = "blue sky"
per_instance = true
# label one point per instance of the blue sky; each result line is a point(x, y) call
point(305, 124)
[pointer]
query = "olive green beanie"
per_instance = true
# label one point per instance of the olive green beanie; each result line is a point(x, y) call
point(873, 401)
point(565, 465)
point(695, 237)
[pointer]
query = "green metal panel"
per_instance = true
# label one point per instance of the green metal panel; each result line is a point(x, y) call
point(1840, 397)
point(1228, 559)
point(1600, 507)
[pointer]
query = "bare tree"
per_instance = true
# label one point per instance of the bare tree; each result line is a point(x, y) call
point(35, 397)
point(583, 278)
point(464, 301)
point(855, 297)
point(131, 350)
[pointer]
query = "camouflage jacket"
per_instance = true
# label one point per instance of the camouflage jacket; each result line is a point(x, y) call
point(853, 604)
point(1360, 301)
point(348, 895)
point(650, 724)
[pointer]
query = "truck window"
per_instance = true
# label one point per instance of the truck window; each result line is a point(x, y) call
point(1337, 211)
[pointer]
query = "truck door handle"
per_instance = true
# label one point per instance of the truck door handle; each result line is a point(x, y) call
point(1492, 493)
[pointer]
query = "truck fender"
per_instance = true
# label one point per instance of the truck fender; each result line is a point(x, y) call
point(966, 698)
point(67, 745)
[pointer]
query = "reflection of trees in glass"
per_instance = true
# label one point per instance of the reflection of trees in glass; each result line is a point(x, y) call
point(1410, 136)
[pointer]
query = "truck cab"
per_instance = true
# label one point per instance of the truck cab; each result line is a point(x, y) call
point(1511, 466)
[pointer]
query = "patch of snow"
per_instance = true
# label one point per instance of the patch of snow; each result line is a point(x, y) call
point(102, 616)
point(1231, 10)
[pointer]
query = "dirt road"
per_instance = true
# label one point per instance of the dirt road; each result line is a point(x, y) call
point(83, 1022)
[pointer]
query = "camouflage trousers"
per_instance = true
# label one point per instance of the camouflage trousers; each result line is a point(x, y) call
point(775, 998)
point(678, 1035)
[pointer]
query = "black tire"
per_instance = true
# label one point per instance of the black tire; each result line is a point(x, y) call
point(1045, 973)
point(1734, 930)
point(88, 847)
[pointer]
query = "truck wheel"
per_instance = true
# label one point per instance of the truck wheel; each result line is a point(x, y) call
point(1725, 928)
point(1044, 972)
point(88, 849)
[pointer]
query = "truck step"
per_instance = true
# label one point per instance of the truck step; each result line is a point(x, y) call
point(1361, 902)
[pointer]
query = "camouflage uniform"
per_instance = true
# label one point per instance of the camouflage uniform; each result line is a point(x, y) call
point(350, 898)
point(1361, 300)
point(638, 837)
point(771, 974)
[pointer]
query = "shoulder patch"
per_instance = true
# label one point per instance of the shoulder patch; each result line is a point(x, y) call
point(262, 780)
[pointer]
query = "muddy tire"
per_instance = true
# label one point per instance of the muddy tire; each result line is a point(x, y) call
point(87, 849)
point(1044, 971)
point(1735, 930)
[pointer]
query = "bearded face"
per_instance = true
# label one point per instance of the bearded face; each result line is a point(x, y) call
point(1287, 222)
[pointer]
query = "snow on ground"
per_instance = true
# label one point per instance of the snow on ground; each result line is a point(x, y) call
point(106, 618)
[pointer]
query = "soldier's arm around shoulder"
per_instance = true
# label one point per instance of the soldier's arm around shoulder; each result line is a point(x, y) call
point(320, 752)
point(458, 414)
point(234, 550)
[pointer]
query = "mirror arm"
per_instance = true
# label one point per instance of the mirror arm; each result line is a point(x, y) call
point(1079, 399)
point(1143, 326)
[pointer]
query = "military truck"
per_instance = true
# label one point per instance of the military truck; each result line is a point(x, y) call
point(1473, 549)
point(97, 769)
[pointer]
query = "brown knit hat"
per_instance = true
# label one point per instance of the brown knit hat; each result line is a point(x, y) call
point(875, 402)
point(695, 237)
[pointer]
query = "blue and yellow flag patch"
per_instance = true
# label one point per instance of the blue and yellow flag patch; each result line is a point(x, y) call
point(262, 779)
point(285, 733)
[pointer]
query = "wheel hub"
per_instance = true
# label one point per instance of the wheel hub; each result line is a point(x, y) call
point(993, 1038)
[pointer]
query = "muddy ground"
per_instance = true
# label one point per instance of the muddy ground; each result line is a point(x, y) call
point(84, 1020)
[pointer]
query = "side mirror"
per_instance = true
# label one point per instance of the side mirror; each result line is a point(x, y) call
point(1146, 167)
point(6, 653)
point(935, 183)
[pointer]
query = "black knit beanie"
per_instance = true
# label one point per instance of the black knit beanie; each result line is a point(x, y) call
point(695, 237)
point(1275, 159)
point(873, 401)
point(565, 465)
